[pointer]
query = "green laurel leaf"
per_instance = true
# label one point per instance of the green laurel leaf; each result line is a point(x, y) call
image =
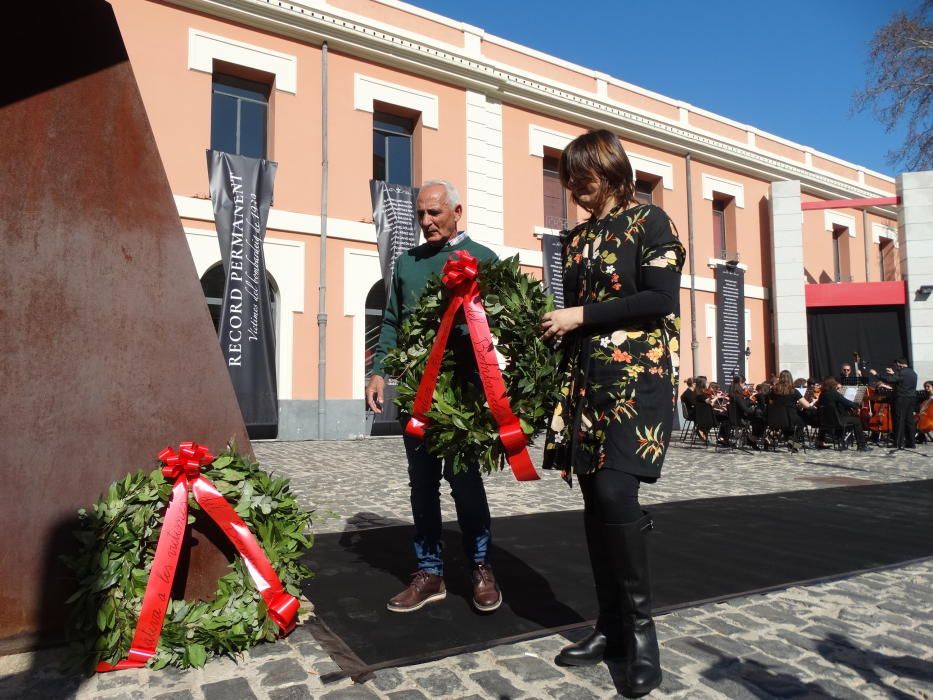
point(115, 546)
point(463, 429)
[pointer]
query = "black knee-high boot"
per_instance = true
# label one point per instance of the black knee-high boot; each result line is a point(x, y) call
point(629, 560)
point(605, 641)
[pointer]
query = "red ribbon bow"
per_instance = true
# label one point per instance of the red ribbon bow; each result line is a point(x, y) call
point(459, 270)
point(185, 468)
point(189, 462)
point(460, 275)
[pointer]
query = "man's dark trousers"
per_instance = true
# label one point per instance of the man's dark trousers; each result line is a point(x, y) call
point(905, 427)
point(469, 494)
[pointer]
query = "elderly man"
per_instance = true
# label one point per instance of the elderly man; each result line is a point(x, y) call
point(439, 211)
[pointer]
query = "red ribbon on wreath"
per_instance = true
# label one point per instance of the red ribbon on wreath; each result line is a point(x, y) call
point(185, 469)
point(460, 276)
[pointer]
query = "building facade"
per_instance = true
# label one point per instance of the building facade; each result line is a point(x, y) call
point(411, 95)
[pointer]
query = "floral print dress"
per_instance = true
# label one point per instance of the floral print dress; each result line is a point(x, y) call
point(620, 367)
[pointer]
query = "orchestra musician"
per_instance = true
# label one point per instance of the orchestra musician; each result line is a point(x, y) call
point(715, 399)
point(746, 406)
point(807, 405)
point(832, 398)
point(784, 397)
point(903, 382)
point(925, 412)
point(762, 392)
point(688, 399)
point(846, 376)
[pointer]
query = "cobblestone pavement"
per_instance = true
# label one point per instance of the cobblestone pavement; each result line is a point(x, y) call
point(866, 636)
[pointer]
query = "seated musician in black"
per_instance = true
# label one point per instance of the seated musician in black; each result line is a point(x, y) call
point(832, 399)
point(712, 397)
point(689, 399)
point(746, 407)
point(846, 376)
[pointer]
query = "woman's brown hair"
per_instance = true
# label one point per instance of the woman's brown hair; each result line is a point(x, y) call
point(784, 385)
point(597, 155)
point(830, 384)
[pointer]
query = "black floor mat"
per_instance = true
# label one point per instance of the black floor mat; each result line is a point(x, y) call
point(701, 550)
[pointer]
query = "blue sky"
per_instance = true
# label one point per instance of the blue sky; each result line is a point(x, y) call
point(789, 68)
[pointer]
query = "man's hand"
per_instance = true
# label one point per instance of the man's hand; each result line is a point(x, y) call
point(374, 393)
point(556, 324)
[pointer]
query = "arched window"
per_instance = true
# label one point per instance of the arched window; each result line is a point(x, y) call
point(212, 284)
point(375, 306)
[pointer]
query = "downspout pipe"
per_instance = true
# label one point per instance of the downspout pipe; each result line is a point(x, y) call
point(867, 245)
point(322, 282)
point(694, 344)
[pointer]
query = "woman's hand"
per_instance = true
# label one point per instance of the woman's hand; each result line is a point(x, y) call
point(556, 324)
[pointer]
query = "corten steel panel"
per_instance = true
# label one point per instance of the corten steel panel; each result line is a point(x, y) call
point(107, 351)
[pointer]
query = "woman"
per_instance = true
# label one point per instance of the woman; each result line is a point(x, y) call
point(925, 412)
point(784, 397)
point(612, 427)
point(746, 408)
point(709, 418)
point(831, 399)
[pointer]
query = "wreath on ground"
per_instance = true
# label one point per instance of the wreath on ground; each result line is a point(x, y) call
point(117, 543)
point(462, 428)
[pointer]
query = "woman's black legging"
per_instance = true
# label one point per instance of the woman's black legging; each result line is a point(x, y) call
point(611, 496)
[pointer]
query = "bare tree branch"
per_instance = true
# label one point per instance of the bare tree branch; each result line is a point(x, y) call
point(900, 84)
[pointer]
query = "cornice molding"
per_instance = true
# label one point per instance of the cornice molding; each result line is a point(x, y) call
point(391, 47)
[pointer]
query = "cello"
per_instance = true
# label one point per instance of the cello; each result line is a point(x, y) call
point(881, 420)
point(925, 415)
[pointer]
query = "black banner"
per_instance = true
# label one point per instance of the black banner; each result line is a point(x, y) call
point(241, 191)
point(553, 266)
point(395, 216)
point(730, 323)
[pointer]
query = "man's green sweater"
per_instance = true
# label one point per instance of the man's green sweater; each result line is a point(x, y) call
point(413, 268)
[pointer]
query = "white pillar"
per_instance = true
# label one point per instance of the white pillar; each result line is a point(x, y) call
point(787, 293)
point(915, 242)
point(484, 200)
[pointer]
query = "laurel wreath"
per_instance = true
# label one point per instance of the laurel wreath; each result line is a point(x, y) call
point(117, 542)
point(463, 429)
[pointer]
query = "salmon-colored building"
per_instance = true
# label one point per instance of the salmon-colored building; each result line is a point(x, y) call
point(411, 95)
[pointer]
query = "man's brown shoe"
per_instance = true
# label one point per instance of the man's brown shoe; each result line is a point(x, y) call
point(424, 588)
point(486, 594)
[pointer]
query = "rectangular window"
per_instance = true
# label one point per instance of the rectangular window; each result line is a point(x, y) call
point(725, 238)
point(555, 197)
point(886, 259)
point(719, 229)
point(841, 254)
point(644, 191)
point(392, 148)
point(239, 116)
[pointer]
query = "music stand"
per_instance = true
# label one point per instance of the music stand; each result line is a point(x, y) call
point(858, 393)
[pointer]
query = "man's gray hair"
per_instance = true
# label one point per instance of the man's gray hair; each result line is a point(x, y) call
point(453, 197)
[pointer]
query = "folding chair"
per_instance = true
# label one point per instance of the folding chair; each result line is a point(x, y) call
point(705, 421)
point(689, 420)
point(841, 435)
point(781, 429)
point(740, 436)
